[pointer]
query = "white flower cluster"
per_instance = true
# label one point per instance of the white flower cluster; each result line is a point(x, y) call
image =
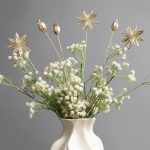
point(97, 72)
point(76, 82)
point(31, 108)
point(27, 82)
point(77, 47)
point(97, 91)
point(79, 51)
point(119, 101)
point(131, 76)
point(120, 51)
point(69, 97)
point(56, 70)
point(104, 98)
point(39, 85)
point(75, 109)
point(101, 92)
point(117, 65)
point(20, 59)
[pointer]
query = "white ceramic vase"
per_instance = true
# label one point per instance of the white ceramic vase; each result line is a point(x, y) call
point(78, 135)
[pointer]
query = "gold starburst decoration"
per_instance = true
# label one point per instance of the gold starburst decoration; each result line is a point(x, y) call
point(132, 36)
point(19, 44)
point(87, 19)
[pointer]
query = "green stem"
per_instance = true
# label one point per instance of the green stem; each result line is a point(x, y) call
point(112, 77)
point(92, 106)
point(82, 65)
point(18, 89)
point(84, 92)
point(121, 76)
point(88, 80)
point(84, 61)
point(112, 55)
point(133, 89)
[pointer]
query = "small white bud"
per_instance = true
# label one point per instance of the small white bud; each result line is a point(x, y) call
point(30, 73)
point(124, 89)
point(39, 78)
point(36, 72)
point(10, 57)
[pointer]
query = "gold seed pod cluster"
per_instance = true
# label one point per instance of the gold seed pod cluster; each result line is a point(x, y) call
point(56, 28)
point(41, 26)
point(115, 25)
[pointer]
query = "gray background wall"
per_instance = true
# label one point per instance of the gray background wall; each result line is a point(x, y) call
point(127, 129)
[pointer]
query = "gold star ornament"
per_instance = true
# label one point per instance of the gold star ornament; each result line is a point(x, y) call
point(19, 44)
point(132, 36)
point(87, 19)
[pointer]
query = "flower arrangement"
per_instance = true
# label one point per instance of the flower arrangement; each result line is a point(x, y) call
point(62, 87)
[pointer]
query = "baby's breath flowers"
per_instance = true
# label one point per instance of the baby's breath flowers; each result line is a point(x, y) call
point(87, 19)
point(132, 36)
point(132, 77)
point(62, 87)
point(78, 50)
point(31, 107)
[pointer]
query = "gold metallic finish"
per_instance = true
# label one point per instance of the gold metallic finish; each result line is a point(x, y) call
point(19, 44)
point(132, 36)
point(56, 28)
point(115, 25)
point(41, 26)
point(87, 19)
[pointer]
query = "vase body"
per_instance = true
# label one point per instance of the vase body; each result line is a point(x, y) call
point(78, 135)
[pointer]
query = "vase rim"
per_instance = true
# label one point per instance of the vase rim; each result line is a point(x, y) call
point(78, 119)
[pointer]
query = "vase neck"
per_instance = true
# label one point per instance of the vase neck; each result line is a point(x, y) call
point(78, 124)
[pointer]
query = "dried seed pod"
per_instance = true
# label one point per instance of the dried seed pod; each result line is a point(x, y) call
point(56, 28)
point(41, 26)
point(115, 25)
